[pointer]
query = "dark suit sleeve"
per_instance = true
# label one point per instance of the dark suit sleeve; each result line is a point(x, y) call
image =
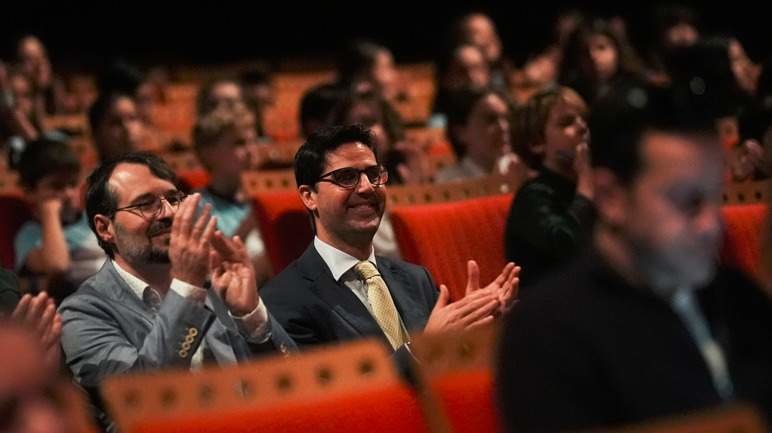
point(96, 345)
point(292, 315)
point(546, 377)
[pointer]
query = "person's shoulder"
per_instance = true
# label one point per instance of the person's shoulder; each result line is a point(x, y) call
point(288, 282)
point(30, 230)
point(92, 290)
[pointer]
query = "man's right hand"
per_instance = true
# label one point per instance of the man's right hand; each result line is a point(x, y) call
point(189, 245)
point(477, 308)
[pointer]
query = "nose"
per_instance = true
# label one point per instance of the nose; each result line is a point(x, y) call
point(167, 210)
point(364, 186)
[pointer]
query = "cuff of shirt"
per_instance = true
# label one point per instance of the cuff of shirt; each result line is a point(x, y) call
point(255, 326)
point(187, 290)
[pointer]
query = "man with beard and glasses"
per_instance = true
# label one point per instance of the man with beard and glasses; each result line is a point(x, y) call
point(175, 292)
point(645, 324)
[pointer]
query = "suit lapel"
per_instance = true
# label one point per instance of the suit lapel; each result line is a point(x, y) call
point(341, 300)
point(221, 338)
point(413, 314)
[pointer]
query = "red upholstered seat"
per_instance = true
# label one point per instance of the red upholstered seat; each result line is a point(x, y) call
point(193, 179)
point(742, 237)
point(14, 212)
point(284, 224)
point(444, 236)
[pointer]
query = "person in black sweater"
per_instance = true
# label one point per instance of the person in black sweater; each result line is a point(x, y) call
point(552, 213)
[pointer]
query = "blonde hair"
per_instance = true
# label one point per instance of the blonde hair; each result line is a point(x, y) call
point(530, 119)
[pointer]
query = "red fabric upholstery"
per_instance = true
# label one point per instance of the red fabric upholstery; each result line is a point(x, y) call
point(391, 409)
point(468, 401)
point(742, 236)
point(14, 212)
point(284, 225)
point(444, 236)
point(193, 179)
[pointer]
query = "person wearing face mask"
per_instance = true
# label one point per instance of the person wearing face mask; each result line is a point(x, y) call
point(552, 214)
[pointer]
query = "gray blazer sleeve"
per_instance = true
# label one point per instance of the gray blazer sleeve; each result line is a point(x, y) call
point(101, 337)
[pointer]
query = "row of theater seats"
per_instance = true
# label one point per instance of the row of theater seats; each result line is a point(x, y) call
point(443, 226)
point(352, 387)
point(437, 226)
point(174, 114)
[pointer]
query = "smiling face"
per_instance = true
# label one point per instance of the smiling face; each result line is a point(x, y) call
point(346, 216)
point(138, 239)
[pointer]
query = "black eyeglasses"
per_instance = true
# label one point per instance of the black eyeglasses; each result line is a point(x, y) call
point(348, 177)
point(150, 207)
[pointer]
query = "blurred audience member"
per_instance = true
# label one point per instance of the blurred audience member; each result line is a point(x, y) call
point(649, 297)
point(116, 126)
point(465, 66)
point(58, 243)
point(258, 93)
point(552, 215)
point(478, 130)
point(225, 143)
point(364, 64)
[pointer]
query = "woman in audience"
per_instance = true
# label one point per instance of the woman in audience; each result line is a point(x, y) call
point(465, 66)
point(595, 61)
point(552, 214)
point(365, 63)
point(479, 30)
point(479, 131)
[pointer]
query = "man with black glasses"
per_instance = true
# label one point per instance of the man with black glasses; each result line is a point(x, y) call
point(175, 292)
point(338, 289)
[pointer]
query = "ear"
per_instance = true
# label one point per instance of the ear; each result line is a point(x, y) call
point(105, 229)
point(611, 197)
point(308, 196)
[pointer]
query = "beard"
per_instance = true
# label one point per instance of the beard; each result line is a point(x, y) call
point(140, 249)
point(680, 265)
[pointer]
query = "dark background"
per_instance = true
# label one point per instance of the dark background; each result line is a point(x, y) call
point(80, 35)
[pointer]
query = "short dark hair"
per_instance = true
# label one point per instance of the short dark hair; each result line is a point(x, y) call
point(357, 59)
point(45, 156)
point(619, 124)
point(100, 199)
point(310, 158)
point(317, 105)
point(100, 108)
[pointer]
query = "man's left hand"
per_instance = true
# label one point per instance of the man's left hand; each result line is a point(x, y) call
point(505, 285)
point(233, 277)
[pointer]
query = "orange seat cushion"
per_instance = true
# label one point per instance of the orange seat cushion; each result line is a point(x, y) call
point(743, 236)
point(284, 224)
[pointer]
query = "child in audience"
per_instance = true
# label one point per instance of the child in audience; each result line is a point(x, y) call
point(58, 243)
point(225, 142)
point(551, 214)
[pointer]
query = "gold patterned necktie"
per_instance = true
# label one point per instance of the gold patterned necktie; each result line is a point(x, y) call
point(382, 305)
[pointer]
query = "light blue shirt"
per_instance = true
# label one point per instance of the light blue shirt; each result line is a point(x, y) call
point(86, 256)
point(230, 215)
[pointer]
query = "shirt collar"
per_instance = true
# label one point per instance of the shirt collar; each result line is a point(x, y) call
point(136, 285)
point(472, 168)
point(337, 261)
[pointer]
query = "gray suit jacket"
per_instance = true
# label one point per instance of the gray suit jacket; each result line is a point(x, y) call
point(108, 330)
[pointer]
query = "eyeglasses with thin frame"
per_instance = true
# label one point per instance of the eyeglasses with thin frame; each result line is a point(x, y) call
point(151, 207)
point(349, 177)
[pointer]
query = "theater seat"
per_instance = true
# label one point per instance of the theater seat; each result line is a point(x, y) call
point(15, 212)
point(352, 388)
point(742, 236)
point(284, 224)
point(193, 179)
point(444, 236)
point(456, 370)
